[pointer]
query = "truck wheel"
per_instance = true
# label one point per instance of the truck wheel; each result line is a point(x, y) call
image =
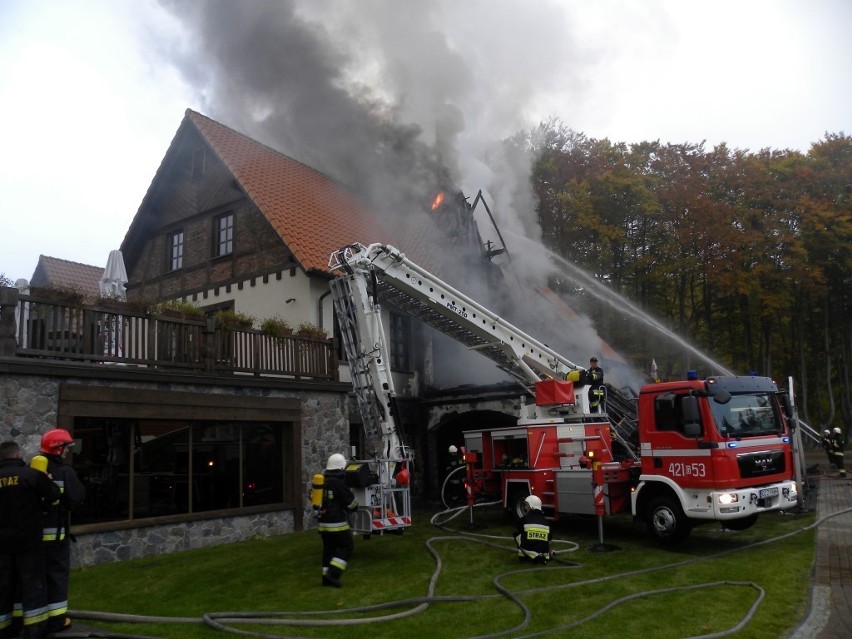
point(741, 524)
point(515, 504)
point(666, 521)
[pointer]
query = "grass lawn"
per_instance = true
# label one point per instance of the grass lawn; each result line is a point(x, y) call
point(706, 585)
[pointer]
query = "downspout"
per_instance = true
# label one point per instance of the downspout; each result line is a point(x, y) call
point(319, 308)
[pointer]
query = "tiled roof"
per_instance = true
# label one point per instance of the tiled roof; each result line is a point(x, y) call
point(313, 214)
point(51, 272)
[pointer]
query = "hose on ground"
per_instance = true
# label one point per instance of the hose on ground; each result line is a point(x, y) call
point(224, 621)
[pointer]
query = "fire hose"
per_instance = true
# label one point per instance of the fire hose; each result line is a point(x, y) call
point(224, 621)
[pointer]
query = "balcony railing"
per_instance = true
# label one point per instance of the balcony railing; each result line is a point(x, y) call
point(114, 333)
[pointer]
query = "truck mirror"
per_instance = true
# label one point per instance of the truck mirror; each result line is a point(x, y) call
point(692, 429)
point(786, 404)
point(722, 397)
point(689, 409)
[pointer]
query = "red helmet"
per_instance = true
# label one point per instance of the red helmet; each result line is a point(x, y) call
point(53, 441)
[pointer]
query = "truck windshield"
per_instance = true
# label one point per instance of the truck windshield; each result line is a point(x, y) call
point(747, 416)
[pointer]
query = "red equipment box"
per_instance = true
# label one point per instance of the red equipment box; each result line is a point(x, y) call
point(552, 392)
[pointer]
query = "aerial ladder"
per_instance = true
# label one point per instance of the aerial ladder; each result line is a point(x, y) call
point(371, 275)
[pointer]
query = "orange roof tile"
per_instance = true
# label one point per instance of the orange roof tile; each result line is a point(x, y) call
point(313, 214)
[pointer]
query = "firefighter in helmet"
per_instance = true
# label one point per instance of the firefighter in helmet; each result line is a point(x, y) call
point(24, 494)
point(595, 379)
point(337, 502)
point(55, 445)
point(825, 440)
point(838, 445)
point(533, 535)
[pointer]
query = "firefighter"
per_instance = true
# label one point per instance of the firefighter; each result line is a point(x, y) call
point(595, 377)
point(838, 445)
point(337, 502)
point(825, 440)
point(454, 491)
point(55, 445)
point(533, 536)
point(24, 495)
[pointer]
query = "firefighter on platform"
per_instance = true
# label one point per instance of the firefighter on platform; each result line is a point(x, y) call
point(595, 378)
point(337, 502)
point(825, 440)
point(838, 445)
point(55, 445)
point(533, 536)
point(24, 495)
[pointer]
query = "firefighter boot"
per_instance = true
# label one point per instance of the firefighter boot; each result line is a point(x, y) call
point(332, 578)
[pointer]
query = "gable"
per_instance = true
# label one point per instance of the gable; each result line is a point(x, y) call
point(54, 273)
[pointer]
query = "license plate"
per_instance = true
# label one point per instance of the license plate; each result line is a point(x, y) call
point(767, 492)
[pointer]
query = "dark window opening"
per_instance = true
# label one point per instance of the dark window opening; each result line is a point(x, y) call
point(669, 414)
point(176, 251)
point(155, 467)
point(224, 235)
point(400, 342)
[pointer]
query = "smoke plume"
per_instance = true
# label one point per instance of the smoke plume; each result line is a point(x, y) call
point(397, 100)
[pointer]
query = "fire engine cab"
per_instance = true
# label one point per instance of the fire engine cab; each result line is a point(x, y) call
point(697, 450)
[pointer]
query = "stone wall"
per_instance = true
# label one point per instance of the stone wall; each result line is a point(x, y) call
point(29, 406)
point(134, 543)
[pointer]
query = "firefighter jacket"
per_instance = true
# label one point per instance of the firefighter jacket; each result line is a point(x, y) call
point(595, 377)
point(24, 495)
point(57, 519)
point(534, 536)
point(337, 502)
point(837, 444)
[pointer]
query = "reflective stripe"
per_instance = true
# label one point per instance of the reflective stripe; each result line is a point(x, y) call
point(58, 608)
point(53, 534)
point(38, 615)
point(333, 526)
point(339, 563)
point(676, 452)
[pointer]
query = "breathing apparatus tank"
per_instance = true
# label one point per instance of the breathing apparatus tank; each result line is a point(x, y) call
point(39, 462)
point(317, 484)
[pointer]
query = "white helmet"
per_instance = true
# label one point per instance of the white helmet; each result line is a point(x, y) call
point(453, 450)
point(336, 462)
point(837, 430)
point(533, 502)
point(826, 432)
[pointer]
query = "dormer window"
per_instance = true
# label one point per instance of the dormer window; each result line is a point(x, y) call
point(223, 239)
point(176, 250)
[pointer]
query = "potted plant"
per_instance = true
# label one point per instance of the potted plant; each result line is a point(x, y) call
point(276, 327)
point(306, 329)
point(231, 320)
point(178, 308)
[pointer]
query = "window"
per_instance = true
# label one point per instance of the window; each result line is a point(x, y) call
point(400, 342)
point(747, 416)
point(669, 412)
point(176, 251)
point(224, 235)
point(156, 467)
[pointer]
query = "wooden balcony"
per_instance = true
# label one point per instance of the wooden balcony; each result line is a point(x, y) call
point(119, 335)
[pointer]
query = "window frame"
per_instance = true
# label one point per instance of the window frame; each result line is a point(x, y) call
point(171, 256)
point(224, 247)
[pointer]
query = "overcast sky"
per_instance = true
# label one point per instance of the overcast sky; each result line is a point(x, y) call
point(92, 92)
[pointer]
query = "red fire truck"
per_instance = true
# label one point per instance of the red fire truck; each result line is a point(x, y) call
point(708, 450)
point(715, 449)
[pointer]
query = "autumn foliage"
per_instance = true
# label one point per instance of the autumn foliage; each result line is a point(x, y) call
point(746, 254)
